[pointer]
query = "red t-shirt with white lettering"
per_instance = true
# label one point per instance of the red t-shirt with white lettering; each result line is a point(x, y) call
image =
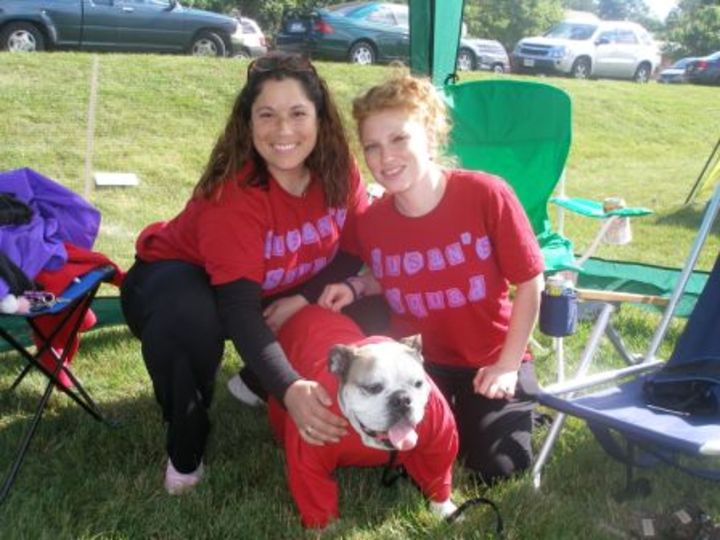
point(445, 275)
point(265, 235)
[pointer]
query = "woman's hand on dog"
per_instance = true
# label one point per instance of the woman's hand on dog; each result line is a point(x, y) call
point(308, 402)
point(282, 309)
point(336, 296)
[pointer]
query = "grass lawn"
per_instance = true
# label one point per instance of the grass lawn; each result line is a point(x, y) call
point(158, 117)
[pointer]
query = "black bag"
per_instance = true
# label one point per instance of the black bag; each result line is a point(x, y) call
point(13, 211)
point(691, 389)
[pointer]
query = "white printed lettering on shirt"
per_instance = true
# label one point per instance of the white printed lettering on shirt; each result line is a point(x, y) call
point(454, 254)
point(455, 297)
point(413, 262)
point(310, 234)
point(291, 275)
point(377, 265)
point(435, 300)
point(477, 288)
point(268, 244)
point(436, 261)
point(324, 226)
point(293, 240)
point(392, 265)
point(278, 246)
point(415, 305)
point(304, 268)
point(483, 247)
point(465, 238)
point(394, 299)
point(273, 278)
point(340, 216)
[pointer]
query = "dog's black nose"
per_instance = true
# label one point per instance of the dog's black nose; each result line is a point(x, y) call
point(400, 401)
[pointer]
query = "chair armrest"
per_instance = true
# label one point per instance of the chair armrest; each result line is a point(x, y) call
point(594, 209)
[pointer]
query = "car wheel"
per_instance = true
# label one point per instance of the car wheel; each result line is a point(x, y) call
point(465, 60)
point(22, 37)
point(242, 54)
point(362, 53)
point(498, 68)
point(581, 68)
point(642, 73)
point(208, 44)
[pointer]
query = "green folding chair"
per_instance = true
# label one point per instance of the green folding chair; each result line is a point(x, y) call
point(522, 131)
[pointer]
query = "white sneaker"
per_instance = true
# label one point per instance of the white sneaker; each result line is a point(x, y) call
point(177, 483)
point(241, 392)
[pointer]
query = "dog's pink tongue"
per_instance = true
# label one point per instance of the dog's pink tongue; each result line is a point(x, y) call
point(403, 435)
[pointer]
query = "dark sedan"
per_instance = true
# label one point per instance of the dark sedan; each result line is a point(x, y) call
point(369, 33)
point(705, 70)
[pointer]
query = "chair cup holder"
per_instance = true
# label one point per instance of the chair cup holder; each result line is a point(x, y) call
point(558, 314)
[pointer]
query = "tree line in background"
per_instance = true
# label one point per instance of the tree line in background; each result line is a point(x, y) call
point(691, 29)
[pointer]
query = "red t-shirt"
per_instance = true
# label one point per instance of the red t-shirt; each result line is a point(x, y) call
point(307, 338)
point(445, 274)
point(265, 235)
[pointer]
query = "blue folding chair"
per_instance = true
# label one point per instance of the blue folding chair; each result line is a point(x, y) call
point(625, 411)
point(70, 307)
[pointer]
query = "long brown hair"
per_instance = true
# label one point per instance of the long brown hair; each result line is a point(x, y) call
point(330, 160)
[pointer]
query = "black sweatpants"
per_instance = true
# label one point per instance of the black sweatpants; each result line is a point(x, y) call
point(171, 307)
point(495, 434)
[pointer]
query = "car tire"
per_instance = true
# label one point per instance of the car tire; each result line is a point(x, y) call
point(362, 53)
point(465, 60)
point(498, 68)
point(242, 54)
point(581, 68)
point(642, 73)
point(22, 37)
point(208, 44)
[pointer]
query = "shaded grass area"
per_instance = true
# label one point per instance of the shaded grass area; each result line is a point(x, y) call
point(158, 116)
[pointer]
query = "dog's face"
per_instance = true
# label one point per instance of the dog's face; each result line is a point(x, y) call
point(383, 390)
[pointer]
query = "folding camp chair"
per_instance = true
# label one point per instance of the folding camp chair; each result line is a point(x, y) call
point(70, 309)
point(522, 131)
point(661, 435)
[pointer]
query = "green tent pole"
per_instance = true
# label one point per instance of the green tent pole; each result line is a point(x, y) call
point(435, 31)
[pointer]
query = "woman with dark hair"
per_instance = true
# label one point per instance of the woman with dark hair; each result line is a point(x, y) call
point(270, 222)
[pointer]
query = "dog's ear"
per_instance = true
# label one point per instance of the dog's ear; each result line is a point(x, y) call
point(339, 360)
point(414, 342)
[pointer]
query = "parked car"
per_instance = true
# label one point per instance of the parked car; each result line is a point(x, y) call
point(705, 70)
point(676, 72)
point(590, 48)
point(369, 33)
point(476, 53)
point(116, 25)
point(253, 42)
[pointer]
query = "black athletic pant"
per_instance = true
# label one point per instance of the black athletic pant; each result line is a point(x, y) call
point(495, 434)
point(171, 307)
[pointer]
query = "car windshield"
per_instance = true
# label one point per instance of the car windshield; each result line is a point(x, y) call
point(574, 31)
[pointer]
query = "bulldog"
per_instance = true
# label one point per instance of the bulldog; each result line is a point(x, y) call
point(388, 399)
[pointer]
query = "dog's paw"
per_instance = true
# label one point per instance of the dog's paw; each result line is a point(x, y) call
point(443, 509)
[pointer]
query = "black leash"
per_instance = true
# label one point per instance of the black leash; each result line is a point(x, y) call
point(392, 472)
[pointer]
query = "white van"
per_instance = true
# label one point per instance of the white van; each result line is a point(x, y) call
point(590, 48)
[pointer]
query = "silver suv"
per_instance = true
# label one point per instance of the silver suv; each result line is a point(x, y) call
point(583, 49)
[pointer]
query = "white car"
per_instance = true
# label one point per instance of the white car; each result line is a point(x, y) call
point(587, 48)
point(249, 39)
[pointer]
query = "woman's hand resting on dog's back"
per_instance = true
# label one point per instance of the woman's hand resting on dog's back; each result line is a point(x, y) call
point(308, 402)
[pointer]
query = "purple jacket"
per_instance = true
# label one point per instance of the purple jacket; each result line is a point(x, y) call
point(59, 215)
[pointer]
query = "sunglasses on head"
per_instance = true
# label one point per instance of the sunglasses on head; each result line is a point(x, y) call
point(280, 62)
